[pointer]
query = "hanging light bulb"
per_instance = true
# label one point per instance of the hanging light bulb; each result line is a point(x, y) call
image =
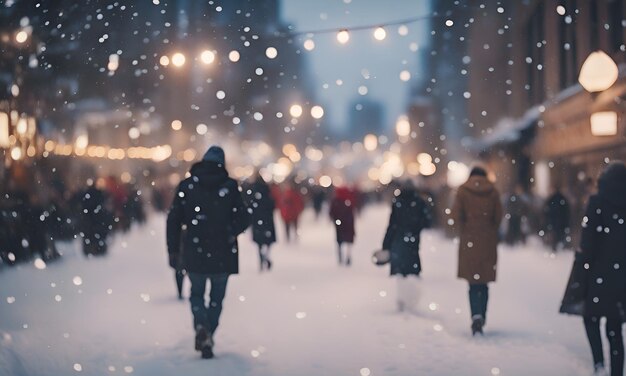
point(380, 33)
point(599, 72)
point(343, 36)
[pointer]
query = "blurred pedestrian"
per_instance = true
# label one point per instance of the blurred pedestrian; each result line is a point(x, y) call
point(342, 208)
point(409, 216)
point(603, 252)
point(318, 196)
point(516, 208)
point(209, 206)
point(261, 206)
point(477, 213)
point(95, 221)
point(291, 206)
point(557, 219)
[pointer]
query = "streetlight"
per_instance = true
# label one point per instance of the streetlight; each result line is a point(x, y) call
point(178, 59)
point(403, 127)
point(598, 73)
point(207, 57)
point(295, 110)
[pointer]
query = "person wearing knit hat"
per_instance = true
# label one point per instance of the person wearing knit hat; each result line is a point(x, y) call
point(209, 206)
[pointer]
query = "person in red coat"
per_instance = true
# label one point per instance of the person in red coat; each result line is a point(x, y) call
point(291, 206)
point(342, 209)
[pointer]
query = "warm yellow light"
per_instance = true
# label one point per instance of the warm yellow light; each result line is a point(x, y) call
point(317, 112)
point(295, 110)
point(380, 33)
point(599, 72)
point(207, 57)
point(22, 126)
point(405, 75)
point(309, 45)
point(234, 56)
point(326, 181)
point(16, 153)
point(21, 36)
point(403, 127)
point(114, 62)
point(82, 141)
point(424, 158)
point(343, 36)
point(289, 149)
point(428, 169)
point(271, 52)
point(164, 61)
point(604, 123)
point(4, 130)
point(178, 59)
point(177, 125)
point(371, 143)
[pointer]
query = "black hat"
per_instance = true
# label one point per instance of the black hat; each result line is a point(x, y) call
point(215, 154)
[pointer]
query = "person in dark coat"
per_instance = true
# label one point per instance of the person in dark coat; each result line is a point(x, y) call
point(318, 196)
point(206, 216)
point(261, 206)
point(557, 217)
point(477, 212)
point(516, 209)
point(409, 216)
point(95, 220)
point(603, 250)
point(342, 209)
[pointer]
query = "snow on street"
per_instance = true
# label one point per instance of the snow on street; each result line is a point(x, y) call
point(308, 316)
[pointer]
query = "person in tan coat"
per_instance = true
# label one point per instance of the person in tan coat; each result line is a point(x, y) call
point(477, 212)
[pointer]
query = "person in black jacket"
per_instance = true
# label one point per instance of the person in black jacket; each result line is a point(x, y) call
point(603, 251)
point(206, 216)
point(557, 216)
point(409, 216)
point(261, 205)
point(95, 220)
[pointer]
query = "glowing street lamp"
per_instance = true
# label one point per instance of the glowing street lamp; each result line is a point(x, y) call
point(403, 127)
point(604, 123)
point(343, 36)
point(207, 57)
point(317, 112)
point(178, 59)
point(21, 37)
point(380, 33)
point(370, 142)
point(598, 73)
point(295, 110)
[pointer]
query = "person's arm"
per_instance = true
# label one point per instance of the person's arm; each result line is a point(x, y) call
point(174, 223)
point(391, 227)
point(497, 209)
point(591, 229)
point(458, 212)
point(241, 218)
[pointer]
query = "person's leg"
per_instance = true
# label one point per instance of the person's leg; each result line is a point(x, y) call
point(216, 295)
point(339, 253)
point(485, 300)
point(348, 248)
point(592, 327)
point(288, 231)
point(180, 276)
point(261, 258)
point(295, 229)
point(266, 254)
point(475, 300)
point(616, 342)
point(401, 292)
point(196, 298)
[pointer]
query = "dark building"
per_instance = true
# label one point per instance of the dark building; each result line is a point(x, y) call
point(365, 116)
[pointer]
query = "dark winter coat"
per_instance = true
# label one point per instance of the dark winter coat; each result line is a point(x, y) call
point(206, 216)
point(603, 246)
point(409, 216)
point(477, 212)
point(557, 213)
point(341, 212)
point(95, 220)
point(261, 206)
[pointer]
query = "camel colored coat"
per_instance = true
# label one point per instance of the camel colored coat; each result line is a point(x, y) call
point(477, 212)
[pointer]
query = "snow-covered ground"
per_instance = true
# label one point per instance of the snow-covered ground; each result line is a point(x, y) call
point(119, 314)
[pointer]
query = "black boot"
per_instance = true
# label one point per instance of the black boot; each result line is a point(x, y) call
point(477, 325)
point(201, 338)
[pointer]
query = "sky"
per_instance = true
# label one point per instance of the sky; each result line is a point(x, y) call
point(363, 61)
